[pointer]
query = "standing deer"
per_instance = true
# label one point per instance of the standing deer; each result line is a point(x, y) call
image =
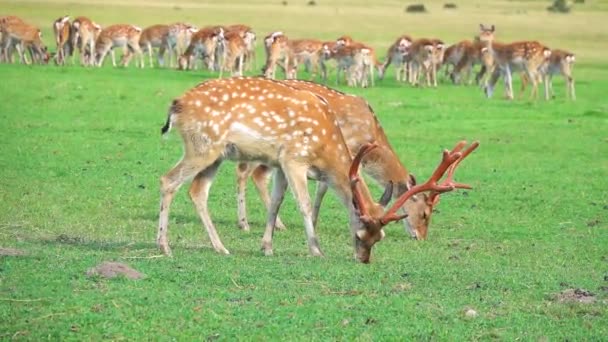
point(527, 56)
point(560, 62)
point(382, 164)
point(62, 30)
point(277, 49)
point(204, 44)
point(235, 50)
point(153, 37)
point(422, 57)
point(177, 40)
point(120, 35)
point(257, 119)
point(24, 37)
point(250, 39)
point(397, 54)
point(84, 34)
point(7, 55)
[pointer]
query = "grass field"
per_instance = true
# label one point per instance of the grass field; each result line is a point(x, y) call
point(81, 156)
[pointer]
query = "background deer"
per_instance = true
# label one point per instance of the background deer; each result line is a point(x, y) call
point(204, 44)
point(527, 56)
point(397, 54)
point(235, 51)
point(382, 163)
point(22, 37)
point(154, 37)
point(84, 34)
point(63, 30)
point(254, 119)
point(250, 39)
point(422, 59)
point(278, 53)
point(177, 40)
point(307, 52)
point(120, 35)
point(560, 62)
point(7, 55)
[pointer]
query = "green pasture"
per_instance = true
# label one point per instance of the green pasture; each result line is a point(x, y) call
point(81, 156)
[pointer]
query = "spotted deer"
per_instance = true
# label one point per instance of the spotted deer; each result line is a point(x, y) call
point(153, 37)
point(365, 62)
point(203, 44)
point(177, 40)
point(278, 53)
point(84, 34)
point(250, 40)
point(527, 56)
point(235, 51)
point(437, 58)
point(422, 57)
point(224, 119)
point(120, 35)
point(307, 52)
point(62, 28)
point(560, 62)
point(397, 54)
point(5, 21)
point(359, 126)
point(23, 37)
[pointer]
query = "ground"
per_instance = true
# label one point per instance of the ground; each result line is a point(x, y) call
point(81, 156)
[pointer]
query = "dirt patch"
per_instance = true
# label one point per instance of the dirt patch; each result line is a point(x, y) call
point(575, 296)
point(11, 252)
point(114, 269)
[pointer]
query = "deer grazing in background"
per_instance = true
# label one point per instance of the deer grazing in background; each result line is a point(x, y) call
point(7, 55)
point(397, 54)
point(177, 40)
point(307, 52)
point(22, 37)
point(421, 52)
point(154, 37)
point(527, 56)
point(120, 35)
point(463, 56)
point(560, 62)
point(250, 39)
point(257, 119)
point(63, 40)
point(203, 44)
point(84, 34)
point(235, 51)
point(358, 60)
point(382, 163)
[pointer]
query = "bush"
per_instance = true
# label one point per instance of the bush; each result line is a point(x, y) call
point(450, 5)
point(559, 6)
point(415, 8)
point(312, 3)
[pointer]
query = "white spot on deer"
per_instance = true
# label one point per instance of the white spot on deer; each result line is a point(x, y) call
point(292, 123)
point(207, 109)
point(271, 95)
point(315, 138)
point(259, 122)
point(291, 113)
point(241, 116)
point(225, 97)
point(215, 113)
point(216, 129)
point(261, 98)
point(334, 137)
point(213, 98)
point(235, 94)
point(308, 130)
point(304, 153)
point(282, 126)
point(251, 109)
point(197, 103)
point(243, 95)
point(323, 131)
point(306, 140)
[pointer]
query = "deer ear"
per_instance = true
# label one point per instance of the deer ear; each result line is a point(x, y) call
point(411, 180)
point(386, 196)
point(481, 27)
point(492, 29)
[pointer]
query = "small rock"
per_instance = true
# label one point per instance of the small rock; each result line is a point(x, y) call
point(470, 313)
point(114, 269)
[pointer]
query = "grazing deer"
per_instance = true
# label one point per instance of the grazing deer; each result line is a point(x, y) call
point(250, 39)
point(357, 64)
point(560, 62)
point(422, 58)
point(307, 52)
point(397, 54)
point(120, 35)
point(84, 34)
point(6, 56)
point(24, 37)
point(366, 61)
point(62, 30)
point(177, 40)
point(204, 44)
point(277, 49)
point(463, 56)
point(153, 37)
point(235, 50)
point(527, 56)
point(224, 119)
point(382, 164)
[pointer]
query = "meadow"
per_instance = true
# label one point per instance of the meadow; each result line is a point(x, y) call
point(81, 156)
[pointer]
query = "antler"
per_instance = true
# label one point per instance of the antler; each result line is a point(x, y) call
point(449, 180)
point(353, 175)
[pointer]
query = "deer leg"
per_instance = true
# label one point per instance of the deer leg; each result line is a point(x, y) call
point(169, 184)
point(260, 177)
point(199, 193)
point(321, 190)
point(243, 171)
point(570, 86)
point(509, 82)
point(278, 193)
point(296, 177)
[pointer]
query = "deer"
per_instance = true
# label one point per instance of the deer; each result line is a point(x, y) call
point(24, 36)
point(235, 51)
point(437, 58)
point(250, 39)
point(119, 35)
point(463, 56)
point(366, 59)
point(422, 58)
point(203, 43)
point(224, 119)
point(153, 37)
point(560, 62)
point(307, 52)
point(397, 54)
point(277, 49)
point(527, 56)
point(5, 21)
point(382, 164)
point(84, 34)
point(177, 40)
point(63, 30)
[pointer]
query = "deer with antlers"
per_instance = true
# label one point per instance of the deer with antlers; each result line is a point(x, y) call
point(382, 163)
point(84, 34)
point(527, 56)
point(120, 35)
point(62, 28)
point(257, 119)
point(397, 54)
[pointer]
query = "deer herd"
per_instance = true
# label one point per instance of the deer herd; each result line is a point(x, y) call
point(295, 130)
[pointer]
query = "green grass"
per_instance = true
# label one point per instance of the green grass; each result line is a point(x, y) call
point(80, 160)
